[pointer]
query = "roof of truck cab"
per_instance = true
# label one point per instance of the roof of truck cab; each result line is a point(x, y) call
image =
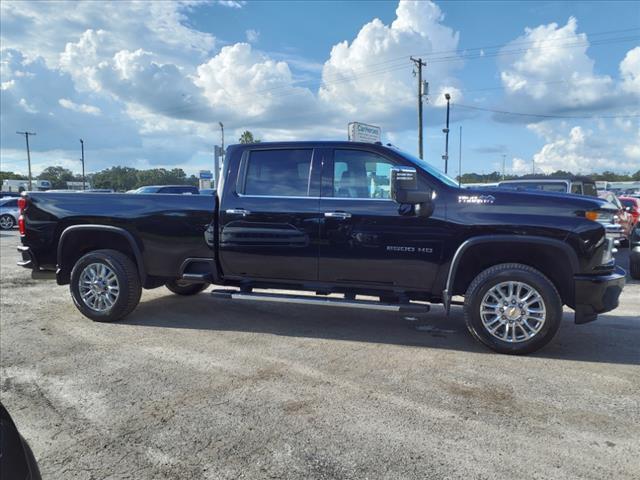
point(307, 143)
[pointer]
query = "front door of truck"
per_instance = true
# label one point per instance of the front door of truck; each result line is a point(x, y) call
point(367, 238)
point(269, 220)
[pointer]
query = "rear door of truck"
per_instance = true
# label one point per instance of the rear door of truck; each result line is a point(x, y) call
point(269, 215)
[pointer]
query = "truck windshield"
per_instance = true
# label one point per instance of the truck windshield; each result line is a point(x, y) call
point(430, 169)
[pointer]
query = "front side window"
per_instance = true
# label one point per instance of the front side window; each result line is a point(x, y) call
point(361, 174)
point(281, 173)
point(576, 188)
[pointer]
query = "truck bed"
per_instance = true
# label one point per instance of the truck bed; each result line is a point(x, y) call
point(166, 228)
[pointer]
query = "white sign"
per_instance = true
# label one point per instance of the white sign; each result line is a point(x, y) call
point(361, 132)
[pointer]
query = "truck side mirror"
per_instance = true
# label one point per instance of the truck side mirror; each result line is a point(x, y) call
point(404, 190)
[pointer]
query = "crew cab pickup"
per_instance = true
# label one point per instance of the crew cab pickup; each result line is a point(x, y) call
point(327, 218)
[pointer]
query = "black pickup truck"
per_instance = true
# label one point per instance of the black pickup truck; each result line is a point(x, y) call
point(327, 218)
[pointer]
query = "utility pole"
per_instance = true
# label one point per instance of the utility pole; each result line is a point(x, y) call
point(82, 159)
point(419, 63)
point(26, 137)
point(446, 141)
point(504, 164)
point(460, 159)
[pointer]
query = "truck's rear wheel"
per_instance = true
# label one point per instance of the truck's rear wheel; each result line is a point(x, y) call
point(512, 308)
point(181, 287)
point(105, 285)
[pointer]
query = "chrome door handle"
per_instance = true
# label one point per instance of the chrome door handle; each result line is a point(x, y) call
point(237, 211)
point(338, 215)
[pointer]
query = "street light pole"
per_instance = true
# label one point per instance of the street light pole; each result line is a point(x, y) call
point(26, 137)
point(82, 148)
point(446, 141)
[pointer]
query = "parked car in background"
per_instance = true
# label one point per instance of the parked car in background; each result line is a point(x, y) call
point(622, 218)
point(175, 189)
point(631, 205)
point(634, 257)
point(576, 185)
point(9, 213)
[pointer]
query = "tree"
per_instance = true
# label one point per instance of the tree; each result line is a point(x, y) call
point(14, 176)
point(58, 176)
point(247, 137)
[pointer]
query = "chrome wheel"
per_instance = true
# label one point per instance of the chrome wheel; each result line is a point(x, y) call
point(6, 222)
point(513, 312)
point(98, 286)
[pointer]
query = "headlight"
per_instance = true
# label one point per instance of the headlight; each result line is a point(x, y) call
point(601, 216)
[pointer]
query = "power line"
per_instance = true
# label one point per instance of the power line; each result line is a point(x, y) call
point(541, 115)
point(292, 90)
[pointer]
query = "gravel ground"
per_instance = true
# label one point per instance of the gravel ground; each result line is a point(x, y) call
point(206, 388)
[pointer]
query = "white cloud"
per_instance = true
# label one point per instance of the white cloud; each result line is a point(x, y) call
point(252, 35)
point(371, 75)
point(630, 71)
point(554, 74)
point(79, 107)
point(42, 29)
point(581, 150)
point(245, 84)
point(27, 107)
point(232, 3)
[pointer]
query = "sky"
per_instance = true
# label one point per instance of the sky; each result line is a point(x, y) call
point(544, 85)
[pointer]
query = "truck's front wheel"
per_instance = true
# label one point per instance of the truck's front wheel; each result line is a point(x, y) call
point(512, 308)
point(105, 285)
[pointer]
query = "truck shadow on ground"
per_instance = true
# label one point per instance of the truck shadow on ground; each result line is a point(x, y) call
point(611, 339)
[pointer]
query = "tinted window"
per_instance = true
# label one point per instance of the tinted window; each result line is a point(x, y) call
point(278, 173)
point(545, 187)
point(590, 189)
point(627, 202)
point(576, 188)
point(10, 203)
point(360, 174)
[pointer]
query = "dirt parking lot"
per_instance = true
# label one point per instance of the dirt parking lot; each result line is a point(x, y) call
point(206, 388)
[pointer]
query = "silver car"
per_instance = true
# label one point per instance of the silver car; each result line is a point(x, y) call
point(9, 213)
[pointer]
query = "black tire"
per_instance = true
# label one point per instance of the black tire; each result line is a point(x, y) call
point(634, 266)
point(497, 274)
point(184, 288)
point(128, 281)
point(7, 222)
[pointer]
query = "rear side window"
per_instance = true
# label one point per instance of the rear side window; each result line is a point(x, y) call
point(576, 188)
point(279, 173)
point(10, 204)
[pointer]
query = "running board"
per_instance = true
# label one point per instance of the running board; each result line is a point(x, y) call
point(402, 308)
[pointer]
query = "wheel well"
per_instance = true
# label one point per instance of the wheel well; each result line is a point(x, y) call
point(549, 260)
point(78, 243)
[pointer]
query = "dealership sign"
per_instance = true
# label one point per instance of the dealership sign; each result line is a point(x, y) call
point(361, 132)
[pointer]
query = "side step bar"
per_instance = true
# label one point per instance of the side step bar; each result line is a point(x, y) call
point(402, 308)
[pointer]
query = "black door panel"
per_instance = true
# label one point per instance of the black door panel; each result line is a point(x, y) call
point(273, 232)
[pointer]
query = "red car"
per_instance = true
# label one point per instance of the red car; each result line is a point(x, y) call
point(625, 220)
point(632, 206)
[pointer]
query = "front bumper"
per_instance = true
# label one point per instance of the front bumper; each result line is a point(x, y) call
point(597, 294)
